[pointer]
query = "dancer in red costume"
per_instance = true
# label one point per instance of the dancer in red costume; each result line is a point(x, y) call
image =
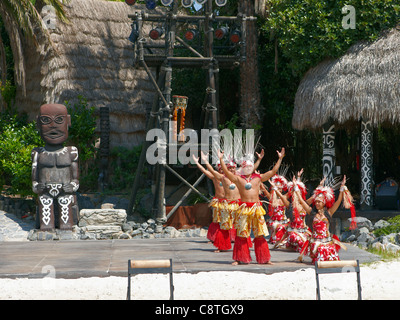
point(227, 232)
point(322, 246)
point(278, 221)
point(250, 215)
point(230, 204)
point(216, 202)
point(298, 233)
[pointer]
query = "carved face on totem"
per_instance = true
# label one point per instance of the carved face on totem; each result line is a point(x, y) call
point(53, 122)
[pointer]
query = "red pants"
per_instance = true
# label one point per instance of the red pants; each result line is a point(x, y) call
point(241, 250)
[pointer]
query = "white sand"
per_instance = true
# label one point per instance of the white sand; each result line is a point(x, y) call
point(379, 280)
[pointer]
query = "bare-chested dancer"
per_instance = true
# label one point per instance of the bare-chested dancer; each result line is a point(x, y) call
point(250, 215)
point(215, 203)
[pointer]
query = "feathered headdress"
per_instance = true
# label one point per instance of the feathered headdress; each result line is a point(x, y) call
point(280, 182)
point(279, 179)
point(244, 149)
point(302, 188)
point(324, 194)
point(348, 201)
point(226, 146)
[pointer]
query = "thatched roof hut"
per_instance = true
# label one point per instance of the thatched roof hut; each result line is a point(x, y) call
point(362, 84)
point(90, 56)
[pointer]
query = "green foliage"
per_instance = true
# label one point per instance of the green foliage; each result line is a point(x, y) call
point(311, 30)
point(394, 227)
point(231, 124)
point(123, 164)
point(297, 35)
point(82, 133)
point(385, 255)
point(17, 139)
point(7, 92)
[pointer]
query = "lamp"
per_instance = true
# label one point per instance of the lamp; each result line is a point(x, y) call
point(166, 2)
point(221, 32)
point(235, 36)
point(130, 2)
point(156, 33)
point(190, 34)
point(220, 3)
point(187, 3)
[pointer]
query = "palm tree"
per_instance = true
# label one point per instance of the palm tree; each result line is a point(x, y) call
point(20, 19)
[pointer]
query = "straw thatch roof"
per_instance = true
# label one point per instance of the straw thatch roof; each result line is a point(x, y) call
point(91, 56)
point(362, 84)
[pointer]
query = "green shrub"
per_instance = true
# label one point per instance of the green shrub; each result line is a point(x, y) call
point(7, 91)
point(18, 138)
point(123, 164)
point(82, 133)
point(394, 227)
point(16, 143)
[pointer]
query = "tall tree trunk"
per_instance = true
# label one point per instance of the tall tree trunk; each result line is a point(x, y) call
point(250, 110)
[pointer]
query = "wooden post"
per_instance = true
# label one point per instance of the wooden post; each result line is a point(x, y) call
point(367, 182)
point(209, 38)
point(328, 151)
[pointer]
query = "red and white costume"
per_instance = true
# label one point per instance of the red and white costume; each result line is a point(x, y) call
point(298, 233)
point(322, 246)
point(278, 221)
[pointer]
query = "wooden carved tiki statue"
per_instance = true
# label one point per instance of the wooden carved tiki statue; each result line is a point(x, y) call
point(55, 175)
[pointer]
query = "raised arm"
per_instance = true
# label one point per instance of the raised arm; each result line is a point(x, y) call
point(264, 190)
point(206, 172)
point(336, 205)
point(229, 175)
point(260, 156)
point(311, 199)
point(267, 175)
point(280, 195)
point(303, 203)
point(209, 167)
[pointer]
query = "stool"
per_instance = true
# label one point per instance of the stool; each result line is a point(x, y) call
point(150, 266)
point(338, 267)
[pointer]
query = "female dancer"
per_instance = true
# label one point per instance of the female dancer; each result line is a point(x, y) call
point(278, 221)
point(322, 246)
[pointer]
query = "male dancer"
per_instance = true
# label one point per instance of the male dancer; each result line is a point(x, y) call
point(215, 203)
point(227, 231)
point(250, 215)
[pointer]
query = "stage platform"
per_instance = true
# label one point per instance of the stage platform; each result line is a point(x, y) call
point(102, 258)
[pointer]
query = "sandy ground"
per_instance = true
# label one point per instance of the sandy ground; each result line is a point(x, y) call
point(380, 280)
